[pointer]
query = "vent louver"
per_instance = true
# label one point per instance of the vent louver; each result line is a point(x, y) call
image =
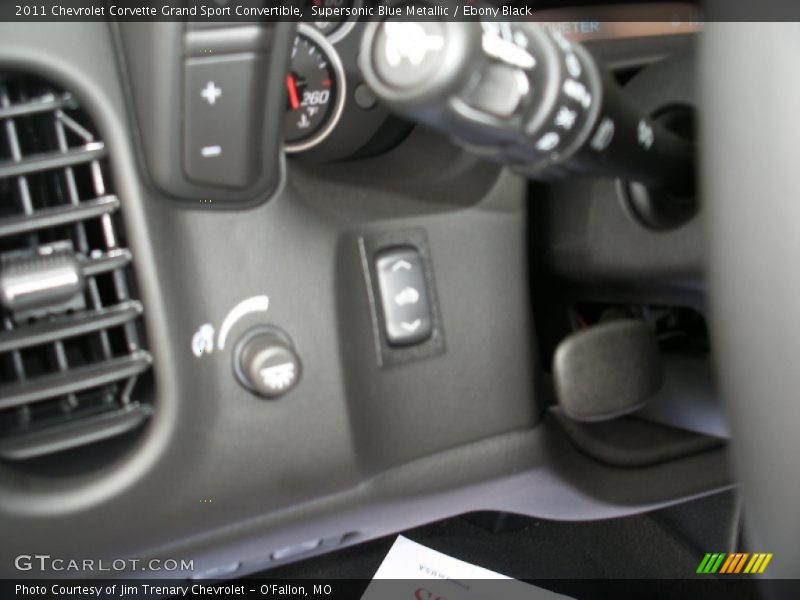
point(73, 364)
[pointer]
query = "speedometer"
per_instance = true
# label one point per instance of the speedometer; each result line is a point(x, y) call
point(315, 87)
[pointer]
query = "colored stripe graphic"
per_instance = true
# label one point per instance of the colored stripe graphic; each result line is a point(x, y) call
point(703, 564)
point(740, 564)
point(727, 563)
point(755, 561)
point(711, 563)
point(764, 564)
point(734, 563)
point(715, 566)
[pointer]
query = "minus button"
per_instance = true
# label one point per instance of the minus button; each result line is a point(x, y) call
point(209, 151)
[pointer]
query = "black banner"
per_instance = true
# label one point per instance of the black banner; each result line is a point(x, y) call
point(678, 13)
point(700, 588)
point(256, 11)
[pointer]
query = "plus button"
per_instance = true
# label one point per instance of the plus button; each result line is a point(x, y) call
point(211, 92)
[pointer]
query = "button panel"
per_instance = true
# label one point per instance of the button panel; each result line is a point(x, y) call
point(222, 116)
point(404, 296)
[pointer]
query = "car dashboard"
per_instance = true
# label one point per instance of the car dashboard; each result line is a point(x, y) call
point(303, 321)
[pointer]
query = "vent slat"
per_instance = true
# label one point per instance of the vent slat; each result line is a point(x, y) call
point(103, 263)
point(58, 216)
point(74, 434)
point(53, 160)
point(90, 321)
point(75, 380)
point(48, 103)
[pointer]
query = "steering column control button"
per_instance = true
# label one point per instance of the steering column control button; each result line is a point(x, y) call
point(364, 97)
point(222, 130)
point(500, 92)
point(407, 54)
point(266, 363)
point(404, 296)
point(524, 96)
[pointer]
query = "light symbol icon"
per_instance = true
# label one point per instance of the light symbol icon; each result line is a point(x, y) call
point(565, 118)
point(203, 340)
point(211, 92)
point(210, 151)
point(278, 377)
point(548, 141)
point(645, 134)
point(412, 326)
point(407, 295)
point(409, 41)
point(401, 265)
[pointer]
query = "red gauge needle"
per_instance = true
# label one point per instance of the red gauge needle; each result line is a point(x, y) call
point(291, 85)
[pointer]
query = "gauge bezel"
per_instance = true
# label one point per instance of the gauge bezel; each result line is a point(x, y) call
point(346, 26)
point(332, 55)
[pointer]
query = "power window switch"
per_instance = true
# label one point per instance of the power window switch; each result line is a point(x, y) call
point(404, 296)
point(223, 102)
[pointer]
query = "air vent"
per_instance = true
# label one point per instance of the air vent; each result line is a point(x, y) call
point(74, 368)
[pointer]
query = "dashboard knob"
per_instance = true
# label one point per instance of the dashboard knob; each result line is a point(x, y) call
point(266, 363)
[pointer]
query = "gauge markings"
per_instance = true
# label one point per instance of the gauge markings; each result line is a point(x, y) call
point(291, 85)
point(315, 91)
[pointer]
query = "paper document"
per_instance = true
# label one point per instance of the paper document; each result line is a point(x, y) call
point(412, 571)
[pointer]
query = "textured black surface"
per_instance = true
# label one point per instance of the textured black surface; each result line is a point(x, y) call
point(632, 442)
point(653, 555)
point(664, 544)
